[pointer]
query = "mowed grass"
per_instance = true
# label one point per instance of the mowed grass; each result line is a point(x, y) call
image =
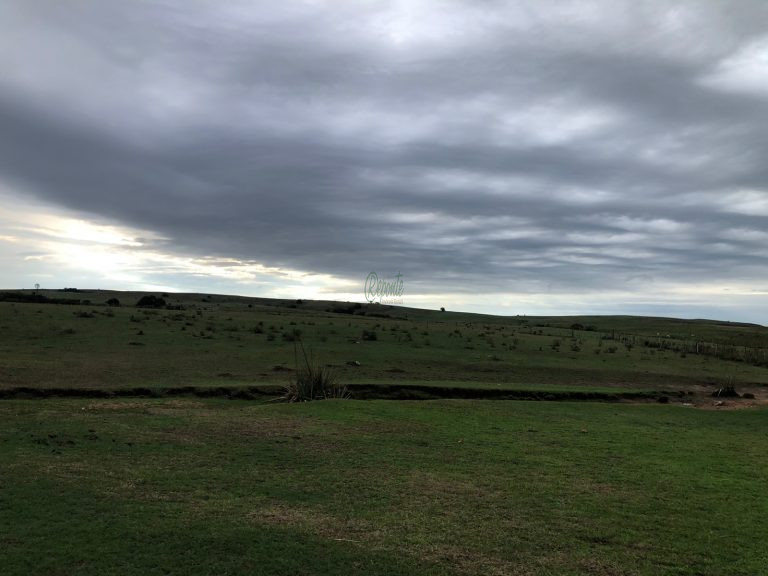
point(182, 486)
point(218, 340)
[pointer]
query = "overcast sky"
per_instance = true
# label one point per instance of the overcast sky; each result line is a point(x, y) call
point(507, 157)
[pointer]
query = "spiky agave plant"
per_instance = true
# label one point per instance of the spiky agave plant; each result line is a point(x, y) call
point(312, 380)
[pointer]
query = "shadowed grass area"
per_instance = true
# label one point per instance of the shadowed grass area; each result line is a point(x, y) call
point(193, 486)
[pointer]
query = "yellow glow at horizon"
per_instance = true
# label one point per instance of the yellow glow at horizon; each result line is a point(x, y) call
point(111, 251)
point(85, 231)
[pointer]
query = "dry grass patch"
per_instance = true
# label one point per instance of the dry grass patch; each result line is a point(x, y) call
point(472, 562)
point(317, 523)
point(598, 567)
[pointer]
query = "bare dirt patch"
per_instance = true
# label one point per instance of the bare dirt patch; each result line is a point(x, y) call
point(705, 401)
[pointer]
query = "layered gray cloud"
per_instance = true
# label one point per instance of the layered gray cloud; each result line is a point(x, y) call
point(492, 147)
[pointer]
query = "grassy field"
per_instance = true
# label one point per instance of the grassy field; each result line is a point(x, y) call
point(194, 486)
point(220, 340)
point(175, 486)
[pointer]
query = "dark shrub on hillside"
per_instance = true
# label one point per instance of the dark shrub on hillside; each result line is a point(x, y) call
point(292, 336)
point(356, 308)
point(150, 301)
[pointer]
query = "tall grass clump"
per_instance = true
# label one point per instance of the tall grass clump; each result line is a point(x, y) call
point(312, 380)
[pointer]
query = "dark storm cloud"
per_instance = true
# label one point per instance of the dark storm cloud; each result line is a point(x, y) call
point(483, 146)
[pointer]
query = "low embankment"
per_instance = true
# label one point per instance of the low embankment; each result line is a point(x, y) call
point(356, 392)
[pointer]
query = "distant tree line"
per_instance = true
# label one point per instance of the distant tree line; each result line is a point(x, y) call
point(24, 297)
point(146, 301)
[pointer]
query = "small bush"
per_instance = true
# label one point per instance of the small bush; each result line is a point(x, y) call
point(150, 301)
point(313, 381)
point(292, 336)
point(726, 392)
point(370, 335)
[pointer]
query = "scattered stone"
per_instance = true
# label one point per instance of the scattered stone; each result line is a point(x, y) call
point(719, 403)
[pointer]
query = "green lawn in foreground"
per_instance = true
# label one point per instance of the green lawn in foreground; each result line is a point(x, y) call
point(172, 486)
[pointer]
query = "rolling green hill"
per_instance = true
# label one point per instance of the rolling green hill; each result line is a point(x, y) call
point(74, 339)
